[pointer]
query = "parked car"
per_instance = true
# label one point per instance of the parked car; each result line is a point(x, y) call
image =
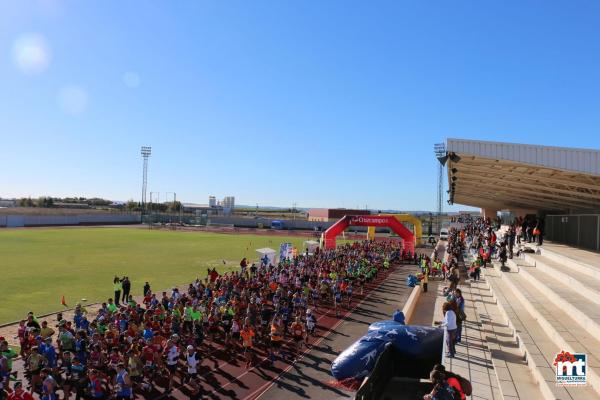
point(444, 234)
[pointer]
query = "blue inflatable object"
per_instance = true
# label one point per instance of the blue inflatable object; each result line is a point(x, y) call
point(398, 316)
point(414, 344)
point(412, 280)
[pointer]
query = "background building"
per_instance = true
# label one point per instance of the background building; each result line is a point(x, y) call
point(332, 214)
point(229, 202)
point(8, 203)
point(212, 201)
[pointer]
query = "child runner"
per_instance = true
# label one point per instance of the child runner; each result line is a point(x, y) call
point(122, 383)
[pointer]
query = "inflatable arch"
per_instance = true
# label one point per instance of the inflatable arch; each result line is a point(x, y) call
point(369, 220)
point(416, 222)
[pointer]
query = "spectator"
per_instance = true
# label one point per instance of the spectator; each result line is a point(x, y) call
point(441, 390)
point(450, 324)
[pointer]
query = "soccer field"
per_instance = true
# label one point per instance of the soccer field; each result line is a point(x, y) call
point(38, 266)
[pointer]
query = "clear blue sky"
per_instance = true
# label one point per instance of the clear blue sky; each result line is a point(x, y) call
point(322, 103)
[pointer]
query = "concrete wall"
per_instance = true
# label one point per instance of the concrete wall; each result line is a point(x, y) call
point(82, 219)
point(266, 222)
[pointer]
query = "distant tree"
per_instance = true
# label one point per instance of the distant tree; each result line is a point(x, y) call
point(174, 206)
point(45, 202)
point(132, 205)
point(98, 202)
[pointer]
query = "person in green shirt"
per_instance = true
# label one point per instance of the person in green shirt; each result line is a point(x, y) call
point(117, 286)
point(196, 315)
point(101, 327)
point(112, 307)
point(8, 353)
point(66, 339)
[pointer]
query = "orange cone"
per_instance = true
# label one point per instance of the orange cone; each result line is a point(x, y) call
point(63, 302)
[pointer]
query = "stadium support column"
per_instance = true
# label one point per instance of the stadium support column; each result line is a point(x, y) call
point(490, 213)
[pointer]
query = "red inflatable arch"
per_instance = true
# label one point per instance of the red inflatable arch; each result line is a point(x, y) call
point(369, 220)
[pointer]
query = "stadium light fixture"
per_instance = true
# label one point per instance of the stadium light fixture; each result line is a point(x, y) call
point(145, 151)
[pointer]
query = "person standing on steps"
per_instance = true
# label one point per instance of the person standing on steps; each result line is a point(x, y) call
point(450, 324)
point(461, 316)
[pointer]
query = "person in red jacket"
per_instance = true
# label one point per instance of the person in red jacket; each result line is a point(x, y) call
point(453, 380)
point(19, 393)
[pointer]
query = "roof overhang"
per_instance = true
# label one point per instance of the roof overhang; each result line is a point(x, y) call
point(507, 176)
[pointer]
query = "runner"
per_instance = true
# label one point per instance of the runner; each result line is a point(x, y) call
point(276, 338)
point(19, 393)
point(171, 353)
point(298, 334)
point(247, 335)
point(122, 384)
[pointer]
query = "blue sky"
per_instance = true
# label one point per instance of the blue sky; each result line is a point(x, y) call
point(322, 103)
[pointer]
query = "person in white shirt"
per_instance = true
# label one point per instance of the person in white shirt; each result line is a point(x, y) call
point(172, 354)
point(450, 324)
point(193, 360)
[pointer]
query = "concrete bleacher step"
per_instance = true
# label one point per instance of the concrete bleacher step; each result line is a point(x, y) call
point(583, 261)
point(567, 297)
point(563, 329)
point(534, 341)
point(515, 381)
point(573, 274)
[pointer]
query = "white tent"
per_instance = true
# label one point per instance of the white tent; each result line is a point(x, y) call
point(311, 245)
point(268, 252)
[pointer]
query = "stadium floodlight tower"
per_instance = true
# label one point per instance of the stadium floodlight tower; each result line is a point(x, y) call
point(440, 152)
point(146, 151)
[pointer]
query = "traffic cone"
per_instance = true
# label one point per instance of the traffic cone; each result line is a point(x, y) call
point(63, 302)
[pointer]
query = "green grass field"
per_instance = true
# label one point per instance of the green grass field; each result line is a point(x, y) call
point(38, 266)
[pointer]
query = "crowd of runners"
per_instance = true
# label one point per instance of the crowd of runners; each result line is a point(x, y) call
point(127, 346)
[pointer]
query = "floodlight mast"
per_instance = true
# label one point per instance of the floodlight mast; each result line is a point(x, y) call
point(146, 151)
point(440, 151)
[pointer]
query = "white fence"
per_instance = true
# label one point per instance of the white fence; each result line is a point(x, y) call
point(11, 221)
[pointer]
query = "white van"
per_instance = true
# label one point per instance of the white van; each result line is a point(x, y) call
point(444, 234)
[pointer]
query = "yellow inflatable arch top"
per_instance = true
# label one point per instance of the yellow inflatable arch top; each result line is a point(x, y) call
point(416, 222)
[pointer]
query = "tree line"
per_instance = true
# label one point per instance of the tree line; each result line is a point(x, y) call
point(95, 202)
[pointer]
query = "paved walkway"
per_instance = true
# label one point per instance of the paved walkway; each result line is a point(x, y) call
point(473, 359)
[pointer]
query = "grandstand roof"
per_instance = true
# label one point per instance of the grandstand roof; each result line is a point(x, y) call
point(508, 175)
